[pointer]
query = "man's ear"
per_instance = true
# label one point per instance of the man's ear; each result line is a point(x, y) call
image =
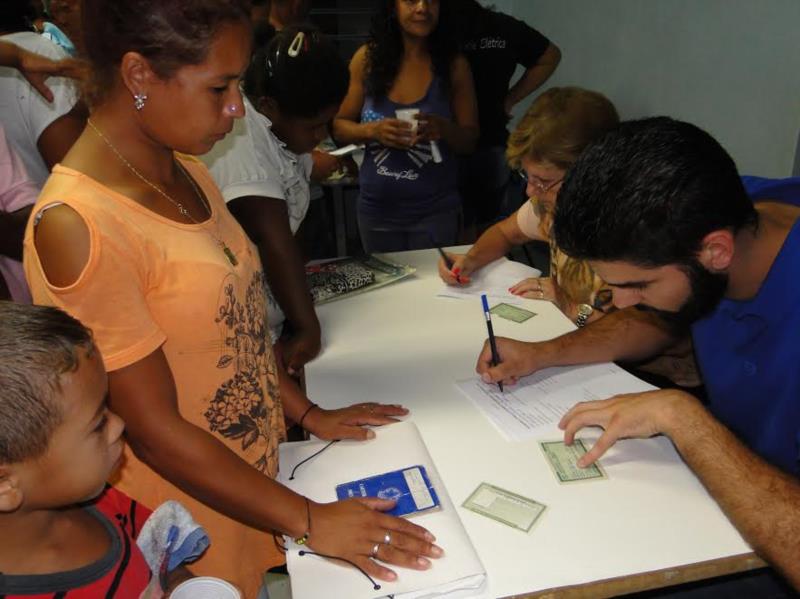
point(10, 492)
point(717, 249)
point(136, 73)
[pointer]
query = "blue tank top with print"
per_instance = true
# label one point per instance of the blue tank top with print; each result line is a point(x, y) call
point(403, 185)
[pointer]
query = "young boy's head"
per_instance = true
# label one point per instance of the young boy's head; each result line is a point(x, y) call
point(58, 439)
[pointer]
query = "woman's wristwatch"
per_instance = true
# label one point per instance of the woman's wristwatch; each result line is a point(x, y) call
point(584, 312)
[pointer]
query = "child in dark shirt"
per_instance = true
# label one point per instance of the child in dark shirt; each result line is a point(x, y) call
point(63, 533)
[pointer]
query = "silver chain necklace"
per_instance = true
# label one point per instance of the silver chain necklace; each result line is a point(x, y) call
point(181, 209)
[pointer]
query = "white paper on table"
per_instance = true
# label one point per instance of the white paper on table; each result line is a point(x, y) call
point(537, 402)
point(494, 280)
point(459, 573)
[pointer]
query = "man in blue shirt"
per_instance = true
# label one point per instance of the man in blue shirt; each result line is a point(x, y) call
point(660, 212)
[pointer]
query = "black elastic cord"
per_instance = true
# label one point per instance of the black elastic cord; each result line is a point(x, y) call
point(375, 585)
point(303, 417)
point(311, 457)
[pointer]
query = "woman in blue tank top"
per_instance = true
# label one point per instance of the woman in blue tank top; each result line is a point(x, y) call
point(409, 189)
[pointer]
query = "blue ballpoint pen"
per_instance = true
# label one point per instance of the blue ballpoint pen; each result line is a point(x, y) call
point(492, 342)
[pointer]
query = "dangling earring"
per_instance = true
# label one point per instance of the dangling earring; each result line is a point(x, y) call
point(139, 100)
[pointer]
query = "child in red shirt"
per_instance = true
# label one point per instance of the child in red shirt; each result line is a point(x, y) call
point(63, 533)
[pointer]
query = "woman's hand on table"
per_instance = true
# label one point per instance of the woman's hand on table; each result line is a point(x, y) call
point(545, 288)
point(350, 422)
point(356, 530)
point(459, 274)
point(540, 288)
point(393, 133)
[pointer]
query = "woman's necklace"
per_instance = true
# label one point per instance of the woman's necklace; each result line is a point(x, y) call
point(181, 209)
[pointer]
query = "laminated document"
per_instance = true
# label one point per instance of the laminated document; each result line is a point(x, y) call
point(397, 447)
point(409, 487)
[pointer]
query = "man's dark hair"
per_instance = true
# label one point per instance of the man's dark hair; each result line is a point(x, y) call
point(37, 345)
point(648, 193)
point(303, 85)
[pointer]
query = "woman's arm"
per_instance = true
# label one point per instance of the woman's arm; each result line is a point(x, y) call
point(345, 423)
point(266, 222)
point(462, 132)
point(347, 129)
point(60, 135)
point(495, 242)
point(144, 395)
point(36, 68)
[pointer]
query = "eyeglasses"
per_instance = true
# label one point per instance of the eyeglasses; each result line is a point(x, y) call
point(538, 183)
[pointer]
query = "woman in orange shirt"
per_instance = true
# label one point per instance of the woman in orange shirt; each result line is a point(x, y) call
point(133, 238)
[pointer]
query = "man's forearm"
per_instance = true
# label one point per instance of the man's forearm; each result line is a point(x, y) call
point(761, 501)
point(624, 335)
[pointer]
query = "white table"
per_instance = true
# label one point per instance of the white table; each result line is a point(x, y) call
point(650, 524)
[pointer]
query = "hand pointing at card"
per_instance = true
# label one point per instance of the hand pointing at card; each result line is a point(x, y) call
point(633, 415)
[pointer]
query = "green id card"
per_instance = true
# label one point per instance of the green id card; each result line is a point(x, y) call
point(504, 506)
point(564, 458)
point(512, 313)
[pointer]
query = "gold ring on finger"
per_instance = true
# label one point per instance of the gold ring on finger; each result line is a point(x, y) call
point(387, 538)
point(374, 552)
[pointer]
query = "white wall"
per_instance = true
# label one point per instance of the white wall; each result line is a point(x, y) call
point(730, 66)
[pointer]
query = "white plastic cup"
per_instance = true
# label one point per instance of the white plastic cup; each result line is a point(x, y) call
point(408, 115)
point(205, 587)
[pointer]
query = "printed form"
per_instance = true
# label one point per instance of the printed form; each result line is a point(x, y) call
point(534, 406)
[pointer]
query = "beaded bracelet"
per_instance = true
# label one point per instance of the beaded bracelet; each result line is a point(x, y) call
point(304, 539)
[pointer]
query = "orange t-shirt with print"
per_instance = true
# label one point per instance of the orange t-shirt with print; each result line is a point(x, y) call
point(152, 282)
